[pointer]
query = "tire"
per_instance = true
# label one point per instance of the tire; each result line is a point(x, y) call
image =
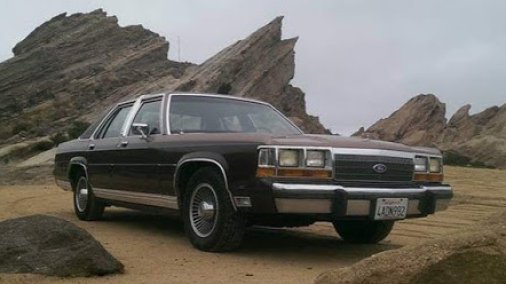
point(86, 206)
point(210, 221)
point(363, 231)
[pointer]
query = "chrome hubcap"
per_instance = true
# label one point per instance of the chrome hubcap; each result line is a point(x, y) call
point(203, 210)
point(82, 194)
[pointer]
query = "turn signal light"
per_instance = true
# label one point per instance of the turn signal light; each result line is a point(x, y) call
point(428, 177)
point(266, 172)
point(304, 173)
point(295, 173)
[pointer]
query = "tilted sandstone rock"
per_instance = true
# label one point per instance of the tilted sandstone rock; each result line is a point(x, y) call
point(68, 65)
point(51, 246)
point(74, 67)
point(418, 122)
point(421, 121)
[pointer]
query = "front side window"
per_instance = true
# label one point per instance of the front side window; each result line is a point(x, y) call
point(149, 113)
point(191, 114)
point(115, 123)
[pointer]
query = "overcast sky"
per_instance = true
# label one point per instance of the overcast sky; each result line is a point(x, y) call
point(357, 61)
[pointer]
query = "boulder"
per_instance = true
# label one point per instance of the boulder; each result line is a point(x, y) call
point(51, 246)
point(474, 255)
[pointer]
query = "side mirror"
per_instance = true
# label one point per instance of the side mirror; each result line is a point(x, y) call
point(141, 129)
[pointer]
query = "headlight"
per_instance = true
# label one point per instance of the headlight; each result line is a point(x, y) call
point(294, 162)
point(315, 158)
point(289, 158)
point(435, 165)
point(420, 164)
point(266, 157)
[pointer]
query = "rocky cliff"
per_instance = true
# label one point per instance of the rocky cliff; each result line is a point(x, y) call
point(421, 121)
point(72, 68)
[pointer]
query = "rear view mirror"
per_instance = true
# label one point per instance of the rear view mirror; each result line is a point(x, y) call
point(141, 129)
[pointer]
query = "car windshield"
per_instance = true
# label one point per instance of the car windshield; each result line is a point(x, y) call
point(201, 114)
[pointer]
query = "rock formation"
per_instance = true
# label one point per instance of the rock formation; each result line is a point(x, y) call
point(421, 121)
point(418, 122)
point(51, 246)
point(72, 68)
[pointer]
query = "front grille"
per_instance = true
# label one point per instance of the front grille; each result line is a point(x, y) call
point(360, 168)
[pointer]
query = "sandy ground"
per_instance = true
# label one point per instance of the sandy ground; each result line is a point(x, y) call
point(154, 249)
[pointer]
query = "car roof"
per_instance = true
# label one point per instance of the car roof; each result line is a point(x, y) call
point(231, 97)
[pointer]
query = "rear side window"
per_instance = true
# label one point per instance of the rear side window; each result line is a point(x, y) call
point(89, 131)
point(149, 113)
point(115, 123)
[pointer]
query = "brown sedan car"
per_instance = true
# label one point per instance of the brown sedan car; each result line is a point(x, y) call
point(224, 163)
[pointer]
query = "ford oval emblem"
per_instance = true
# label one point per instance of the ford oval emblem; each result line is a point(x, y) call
point(379, 168)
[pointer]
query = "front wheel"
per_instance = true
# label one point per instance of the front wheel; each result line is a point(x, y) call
point(210, 221)
point(363, 231)
point(86, 205)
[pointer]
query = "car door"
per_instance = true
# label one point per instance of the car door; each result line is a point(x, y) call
point(138, 167)
point(103, 150)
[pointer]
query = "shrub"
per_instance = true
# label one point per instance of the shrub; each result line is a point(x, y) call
point(42, 146)
point(453, 158)
point(22, 126)
point(58, 138)
point(77, 128)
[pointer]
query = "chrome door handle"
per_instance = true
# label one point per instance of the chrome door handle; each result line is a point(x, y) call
point(91, 146)
point(123, 143)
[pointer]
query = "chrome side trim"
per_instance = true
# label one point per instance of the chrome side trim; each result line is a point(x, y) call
point(130, 117)
point(135, 109)
point(63, 184)
point(176, 173)
point(220, 96)
point(138, 197)
point(80, 164)
point(167, 115)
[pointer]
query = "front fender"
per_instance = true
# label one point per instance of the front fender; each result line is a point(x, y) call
point(205, 157)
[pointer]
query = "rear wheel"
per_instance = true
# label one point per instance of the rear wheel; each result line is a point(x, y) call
point(211, 223)
point(86, 206)
point(363, 231)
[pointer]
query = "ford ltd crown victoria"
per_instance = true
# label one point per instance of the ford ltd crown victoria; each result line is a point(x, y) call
point(223, 163)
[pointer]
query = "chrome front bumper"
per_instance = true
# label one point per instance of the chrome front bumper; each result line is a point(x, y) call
point(356, 201)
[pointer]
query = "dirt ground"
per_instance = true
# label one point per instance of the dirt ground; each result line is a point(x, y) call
point(154, 249)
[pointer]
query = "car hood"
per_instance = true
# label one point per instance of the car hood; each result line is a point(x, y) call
point(347, 142)
point(304, 140)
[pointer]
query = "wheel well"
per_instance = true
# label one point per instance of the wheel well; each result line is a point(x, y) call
point(186, 171)
point(74, 172)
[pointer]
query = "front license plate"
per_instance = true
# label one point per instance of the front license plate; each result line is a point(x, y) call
point(391, 208)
